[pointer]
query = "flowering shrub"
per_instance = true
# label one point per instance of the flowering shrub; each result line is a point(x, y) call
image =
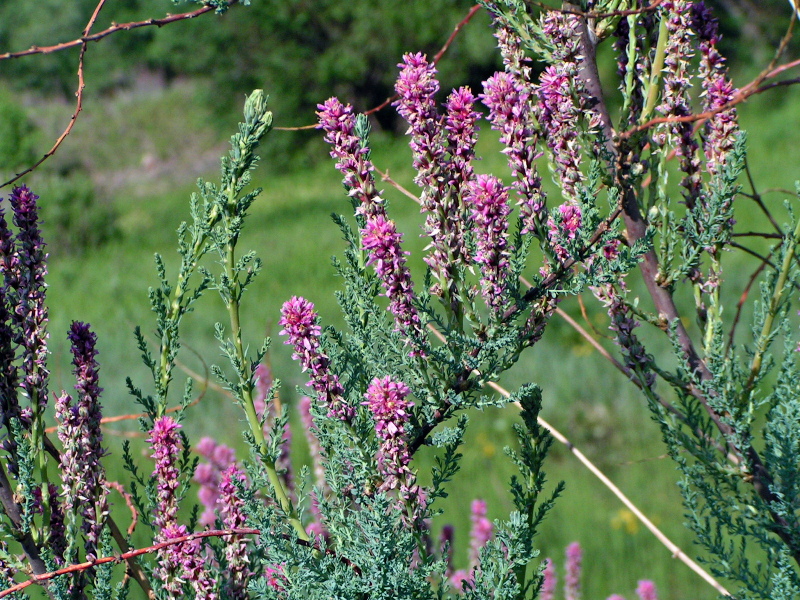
point(417, 354)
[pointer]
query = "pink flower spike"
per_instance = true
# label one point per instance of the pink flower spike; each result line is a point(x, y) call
point(646, 590)
point(382, 241)
point(549, 581)
point(488, 199)
point(572, 579)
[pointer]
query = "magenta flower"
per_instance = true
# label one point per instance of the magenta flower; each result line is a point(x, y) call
point(387, 400)
point(233, 516)
point(300, 324)
point(165, 444)
point(26, 293)
point(339, 123)
point(549, 581)
point(511, 112)
point(565, 229)
point(558, 116)
point(572, 578)
point(184, 563)
point(219, 457)
point(646, 590)
point(382, 242)
point(675, 99)
point(442, 158)
point(722, 128)
point(488, 199)
point(83, 476)
point(480, 533)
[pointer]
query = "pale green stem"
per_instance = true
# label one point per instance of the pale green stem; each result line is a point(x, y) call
point(655, 72)
point(247, 396)
point(777, 296)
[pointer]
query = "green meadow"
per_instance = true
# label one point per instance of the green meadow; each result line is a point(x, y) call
point(146, 149)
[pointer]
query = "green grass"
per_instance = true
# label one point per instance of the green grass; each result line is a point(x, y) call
point(291, 231)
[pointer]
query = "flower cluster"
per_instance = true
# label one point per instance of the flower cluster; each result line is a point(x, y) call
point(488, 199)
point(387, 401)
point(675, 100)
point(383, 243)
point(722, 128)
point(511, 112)
point(299, 322)
point(564, 229)
point(339, 124)
point(645, 590)
point(233, 517)
point(442, 157)
point(218, 458)
point(83, 476)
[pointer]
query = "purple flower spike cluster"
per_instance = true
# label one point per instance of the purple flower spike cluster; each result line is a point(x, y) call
point(488, 199)
point(722, 128)
point(549, 581)
point(23, 312)
point(565, 229)
point(442, 157)
point(480, 534)
point(675, 100)
point(339, 123)
point(218, 457)
point(511, 112)
point(179, 563)
point(481, 531)
point(300, 324)
point(233, 517)
point(572, 577)
point(83, 476)
point(387, 400)
point(558, 110)
point(646, 590)
point(383, 243)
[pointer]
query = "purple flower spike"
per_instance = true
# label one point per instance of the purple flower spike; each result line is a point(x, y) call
point(382, 242)
point(510, 112)
point(572, 579)
point(488, 199)
point(208, 474)
point(480, 533)
point(646, 590)
point(233, 516)
point(558, 115)
point(91, 475)
point(184, 563)
point(675, 99)
point(300, 324)
point(166, 446)
point(442, 159)
point(387, 401)
point(28, 296)
point(722, 128)
point(339, 123)
point(565, 229)
point(549, 581)
point(9, 383)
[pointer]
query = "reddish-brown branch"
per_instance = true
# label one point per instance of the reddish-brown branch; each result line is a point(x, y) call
point(127, 555)
point(436, 58)
point(114, 28)
point(83, 42)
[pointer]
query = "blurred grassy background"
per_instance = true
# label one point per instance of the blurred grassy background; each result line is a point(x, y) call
point(129, 168)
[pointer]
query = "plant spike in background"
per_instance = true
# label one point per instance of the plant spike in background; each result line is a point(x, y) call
point(389, 385)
